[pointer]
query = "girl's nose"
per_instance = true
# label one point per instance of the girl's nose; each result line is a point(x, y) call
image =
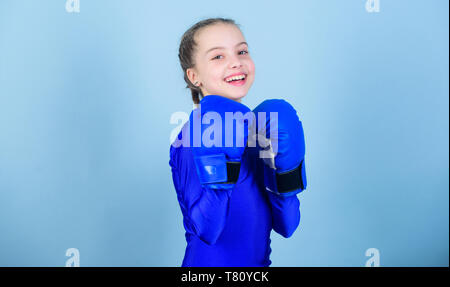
point(235, 62)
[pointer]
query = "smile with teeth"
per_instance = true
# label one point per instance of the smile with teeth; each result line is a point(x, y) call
point(235, 78)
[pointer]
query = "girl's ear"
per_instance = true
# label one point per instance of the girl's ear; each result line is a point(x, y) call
point(192, 75)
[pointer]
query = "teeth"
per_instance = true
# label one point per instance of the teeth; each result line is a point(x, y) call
point(235, 78)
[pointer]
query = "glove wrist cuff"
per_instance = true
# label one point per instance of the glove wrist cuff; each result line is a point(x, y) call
point(217, 170)
point(285, 183)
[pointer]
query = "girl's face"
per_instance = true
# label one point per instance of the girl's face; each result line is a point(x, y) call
point(221, 54)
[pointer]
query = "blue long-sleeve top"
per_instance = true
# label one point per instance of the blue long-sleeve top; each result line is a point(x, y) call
point(230, 227)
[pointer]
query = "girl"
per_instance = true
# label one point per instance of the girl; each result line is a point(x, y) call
point(228, 208)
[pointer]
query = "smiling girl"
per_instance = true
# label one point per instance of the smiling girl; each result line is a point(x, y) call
point(228, 206)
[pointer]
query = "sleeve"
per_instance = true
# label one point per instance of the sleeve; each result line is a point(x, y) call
point(285, 209)
point(285, 213)
point(204, 210)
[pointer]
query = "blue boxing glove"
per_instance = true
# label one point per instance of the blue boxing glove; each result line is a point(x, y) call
point(280, 135)
point(219, 132)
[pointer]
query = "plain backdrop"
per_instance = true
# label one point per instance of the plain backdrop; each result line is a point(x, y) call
point(86, 100)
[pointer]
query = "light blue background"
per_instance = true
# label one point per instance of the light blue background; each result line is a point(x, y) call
point(86, 99)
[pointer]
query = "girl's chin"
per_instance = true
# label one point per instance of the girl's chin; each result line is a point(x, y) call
point(236, 97)
point(232, 96)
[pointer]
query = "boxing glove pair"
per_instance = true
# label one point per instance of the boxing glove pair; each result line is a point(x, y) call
point(221, 129)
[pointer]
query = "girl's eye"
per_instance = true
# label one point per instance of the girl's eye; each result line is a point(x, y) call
point(240, 53)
